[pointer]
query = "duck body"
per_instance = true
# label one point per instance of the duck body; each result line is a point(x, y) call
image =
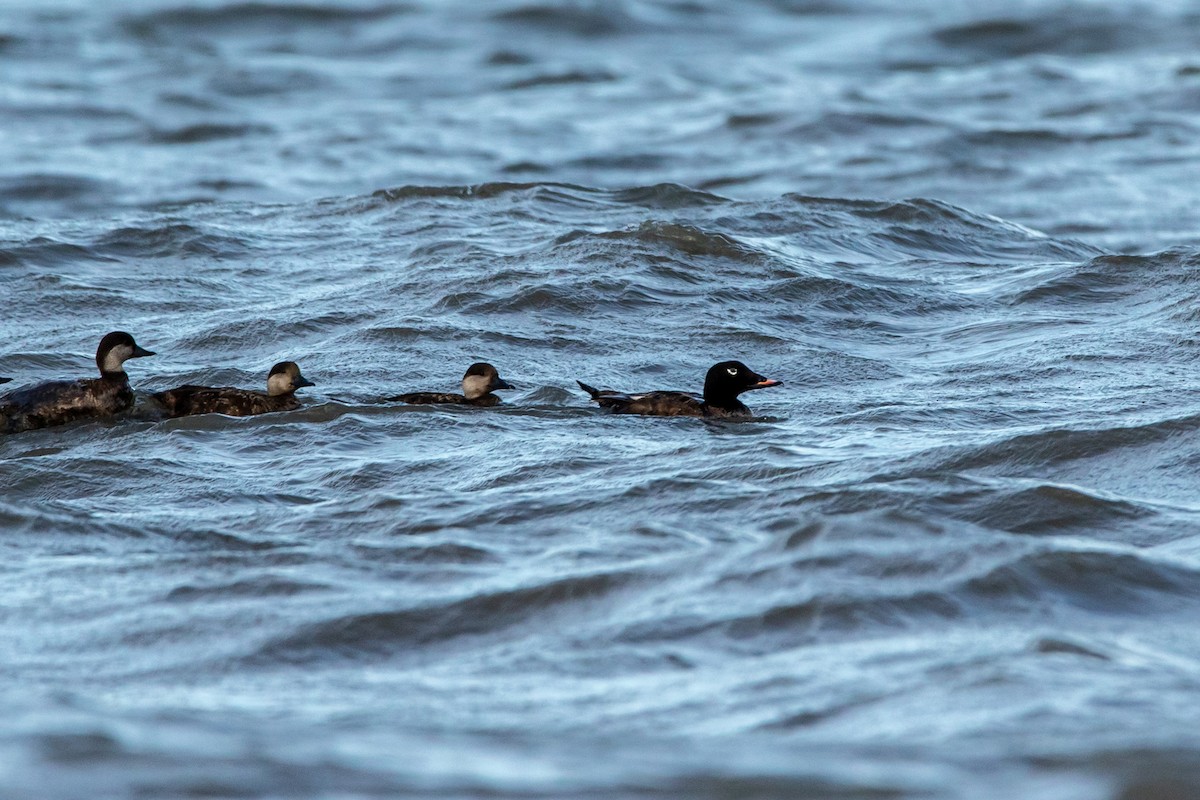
point(446, 398)
point(478, 384)
point(54, 403)
point(652, 404)
point(722, 385)
point(59, 402)
point(184, 401)
point(282, 383)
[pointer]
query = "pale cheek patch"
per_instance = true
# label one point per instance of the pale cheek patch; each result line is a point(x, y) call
point(475, 386)
point(116, 357)
point(279, 383)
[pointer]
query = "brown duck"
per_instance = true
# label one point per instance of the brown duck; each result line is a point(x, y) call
point(477, 385)
point(44, 405)
point(282, 382)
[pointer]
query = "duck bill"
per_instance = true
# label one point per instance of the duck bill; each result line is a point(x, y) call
point(500, 383)
point(765, 382)
point(303, 381)
point(141, 352)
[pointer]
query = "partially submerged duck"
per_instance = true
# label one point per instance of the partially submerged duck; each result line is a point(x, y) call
point(5, 380)
point(53, 403)
point(477, 385)
point(282, 382)
point(722, 385)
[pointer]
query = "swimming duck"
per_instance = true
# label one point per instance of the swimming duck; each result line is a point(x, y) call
point(282, 382)
point(5, 380)
point(59, 402)
point(477, 385)
point(722, 385)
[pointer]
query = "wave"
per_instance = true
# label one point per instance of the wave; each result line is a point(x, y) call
point(240, 17)
point(1094, 581)
point(396, 632)
point(591, 20)
point(663, 195)
point(1056, 446)
point(169, 241)
point(890, 229)
point(206, 132)
point(1060, 32)
point(1115, 278)
point(568, 78)
point(864, 575)
point(45, 252)
point(259, 586)
point(1048, 509)
point(54, 193)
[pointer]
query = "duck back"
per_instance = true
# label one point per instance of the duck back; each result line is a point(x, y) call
point(654, 404)
point(184, 401)
point(60, 402)
point(440, 398)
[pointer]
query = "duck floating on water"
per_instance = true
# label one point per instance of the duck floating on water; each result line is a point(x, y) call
point(722, 385)
point(53, 403)
point(282, 382)
point(477, 385)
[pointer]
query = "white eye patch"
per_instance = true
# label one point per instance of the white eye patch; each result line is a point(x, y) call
point(732, 370)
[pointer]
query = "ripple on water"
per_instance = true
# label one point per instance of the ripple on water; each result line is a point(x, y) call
point(394, 633)
point(968, 516)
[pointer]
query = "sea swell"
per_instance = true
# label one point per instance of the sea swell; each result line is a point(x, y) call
point(952, 555)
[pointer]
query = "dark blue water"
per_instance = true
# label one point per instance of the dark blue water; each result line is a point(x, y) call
point(956, 555)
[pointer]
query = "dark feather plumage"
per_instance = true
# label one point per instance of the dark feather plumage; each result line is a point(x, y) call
point(282, 382)
point(184, 401)
point(53, 403)
point(722, 385)
point(656, 404)
point(59, 402)
point(444, 398)
point(478, 384)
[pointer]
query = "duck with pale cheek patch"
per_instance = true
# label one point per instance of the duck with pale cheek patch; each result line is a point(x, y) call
point(59, 402)
point(282, 382)
point(722, 385)
point(477, 385)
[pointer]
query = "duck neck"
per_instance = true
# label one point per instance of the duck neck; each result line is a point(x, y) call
point(720, 396)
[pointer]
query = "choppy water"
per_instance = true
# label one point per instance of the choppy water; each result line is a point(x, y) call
point(957, 554)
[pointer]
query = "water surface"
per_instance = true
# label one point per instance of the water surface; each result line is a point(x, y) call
point(956, 554)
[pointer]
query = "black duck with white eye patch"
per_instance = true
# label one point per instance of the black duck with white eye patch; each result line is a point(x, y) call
point(722, 385)
point(478, 383)
point(282, 382)
point(59, 402)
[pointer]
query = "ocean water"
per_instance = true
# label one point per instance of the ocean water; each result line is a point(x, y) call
point(955, 555)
